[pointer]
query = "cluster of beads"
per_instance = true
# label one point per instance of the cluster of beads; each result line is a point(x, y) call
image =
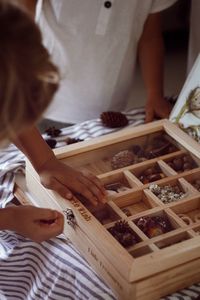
point(167, 193)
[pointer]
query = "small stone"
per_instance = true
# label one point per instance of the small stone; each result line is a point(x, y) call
point(177, 164)
point(116, 186)
point(187, 166)
point(148, 171)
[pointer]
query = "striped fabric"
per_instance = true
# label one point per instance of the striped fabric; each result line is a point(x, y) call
point(53, 270)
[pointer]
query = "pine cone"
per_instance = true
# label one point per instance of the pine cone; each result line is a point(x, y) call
point(53, 131)
point(122, 232)
point(113, 119)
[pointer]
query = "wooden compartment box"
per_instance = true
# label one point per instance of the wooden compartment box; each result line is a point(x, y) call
point(142, 243)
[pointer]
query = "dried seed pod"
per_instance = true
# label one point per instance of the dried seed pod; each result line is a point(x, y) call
point(113, 119)
point(144, 179)
point(122, 159)
point(159, 151)
point(70, 140)
point(148, 171)
point(151, 174)
point(53, 131)
point(155, 177)
point(51, 142)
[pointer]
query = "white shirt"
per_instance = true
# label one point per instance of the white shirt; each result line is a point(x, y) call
point(194, 40)
point(95, 48)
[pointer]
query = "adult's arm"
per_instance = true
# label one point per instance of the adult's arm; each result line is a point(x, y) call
point(151, 59)
point(29, 5)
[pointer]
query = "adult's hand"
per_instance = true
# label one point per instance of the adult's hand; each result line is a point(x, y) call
point(157, 108)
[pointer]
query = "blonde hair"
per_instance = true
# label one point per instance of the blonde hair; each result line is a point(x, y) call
point(28, 79)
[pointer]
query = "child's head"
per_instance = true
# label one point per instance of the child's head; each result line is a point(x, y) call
point(28, 79)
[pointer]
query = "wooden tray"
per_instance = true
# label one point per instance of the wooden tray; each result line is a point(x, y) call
point(157, 264)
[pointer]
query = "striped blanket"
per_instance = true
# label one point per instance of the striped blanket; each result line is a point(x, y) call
point(53, 270)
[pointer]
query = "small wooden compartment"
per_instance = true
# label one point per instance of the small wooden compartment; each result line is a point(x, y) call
point(143, 248)
point(176, 189)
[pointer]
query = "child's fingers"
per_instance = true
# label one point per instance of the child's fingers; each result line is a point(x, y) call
point(95, 194)
point(53, 223)
point(60, 188)
point(82, 186)
point(96, 181)
point(45, 214)
point(47, 231)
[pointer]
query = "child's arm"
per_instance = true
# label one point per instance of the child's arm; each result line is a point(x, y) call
point(56, 175)
point(38, 224)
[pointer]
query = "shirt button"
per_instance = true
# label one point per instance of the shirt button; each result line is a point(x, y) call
point(107, 4)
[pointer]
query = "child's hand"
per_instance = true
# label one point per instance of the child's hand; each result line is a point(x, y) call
point(38, 224)
point(61, 178)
